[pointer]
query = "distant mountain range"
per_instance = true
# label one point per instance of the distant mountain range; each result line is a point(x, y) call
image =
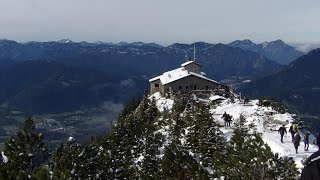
point(274, 50)
point(297, 85)
point(36, 76)
point(103, 56)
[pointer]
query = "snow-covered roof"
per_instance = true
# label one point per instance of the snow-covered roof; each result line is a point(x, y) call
point(171, 76)
point(177, 74)
point(216, 97)
point(189, 62)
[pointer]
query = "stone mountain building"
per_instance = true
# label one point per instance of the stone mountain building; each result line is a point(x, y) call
point(184, 79)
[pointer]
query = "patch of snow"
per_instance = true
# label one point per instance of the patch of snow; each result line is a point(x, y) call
point(216, 97)
point(161, 102)
point(286, 117)
point(5, 158)
point(188, 62)
point(246, 81)
point(81, 154)
point(71, 139)
point(209, 170)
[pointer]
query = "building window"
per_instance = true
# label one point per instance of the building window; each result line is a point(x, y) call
point(195, 87)
point(180, 87)
point(187, 87)
point(156, 85)
point(207, 87)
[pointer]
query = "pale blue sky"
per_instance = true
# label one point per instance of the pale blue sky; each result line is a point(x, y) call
point(160, 21)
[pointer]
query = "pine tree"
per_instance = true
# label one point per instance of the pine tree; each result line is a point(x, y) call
point(194, 132)
point(41, 173)
point(73, 160)
point(26, 151)
point(207, 141)
point(124, 142)
point(281, 168)
point(92, 161)
point(66, 160)
point(178, 124)
point(177, 163)
point(150, 167)
point(212, 144)
point(248, 155)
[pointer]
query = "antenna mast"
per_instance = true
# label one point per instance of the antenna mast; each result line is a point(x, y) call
point(194, 52)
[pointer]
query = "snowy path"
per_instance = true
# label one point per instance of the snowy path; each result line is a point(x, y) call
point(264, 122)
point(286, 148)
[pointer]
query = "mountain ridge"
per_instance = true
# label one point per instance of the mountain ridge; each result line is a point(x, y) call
point(297, 84)
point(276, 50)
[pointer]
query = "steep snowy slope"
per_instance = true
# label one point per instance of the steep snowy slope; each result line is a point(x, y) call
point(266, 120)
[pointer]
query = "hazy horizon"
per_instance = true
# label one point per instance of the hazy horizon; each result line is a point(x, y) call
point(303, 47)
point(162, 22)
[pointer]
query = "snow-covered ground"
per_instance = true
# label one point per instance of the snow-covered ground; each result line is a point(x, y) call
point(161, 102)
point(5, 159)
point(266, 120)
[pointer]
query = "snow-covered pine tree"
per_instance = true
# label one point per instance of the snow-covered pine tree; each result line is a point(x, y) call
point(281, 168)
point(123, 145)
point(131, 138)
point(249, 156)
point(66, 160)
point(178, 123)
point(92, 161)
point(212, 144)
point(26, 152)
point(150, 168)
point(194, 132)
point(177, 163)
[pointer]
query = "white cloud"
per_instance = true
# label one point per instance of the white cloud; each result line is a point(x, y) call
point(306, 47)
point(112, 107)
point(127, 83)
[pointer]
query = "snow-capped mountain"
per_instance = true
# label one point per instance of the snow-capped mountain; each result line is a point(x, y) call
point(276, 50)
point(65, 41)
point(245, 44)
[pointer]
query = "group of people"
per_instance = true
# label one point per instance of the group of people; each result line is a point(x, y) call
point(227, 119)
point(245, 100)
point(295, 136)
point(311, 170)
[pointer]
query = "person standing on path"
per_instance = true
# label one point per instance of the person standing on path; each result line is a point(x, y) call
point(282, 130)
point(293, 129)
point(306, 141)
point(296, 141)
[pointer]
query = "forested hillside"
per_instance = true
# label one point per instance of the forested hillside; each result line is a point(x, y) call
point(176, 138)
